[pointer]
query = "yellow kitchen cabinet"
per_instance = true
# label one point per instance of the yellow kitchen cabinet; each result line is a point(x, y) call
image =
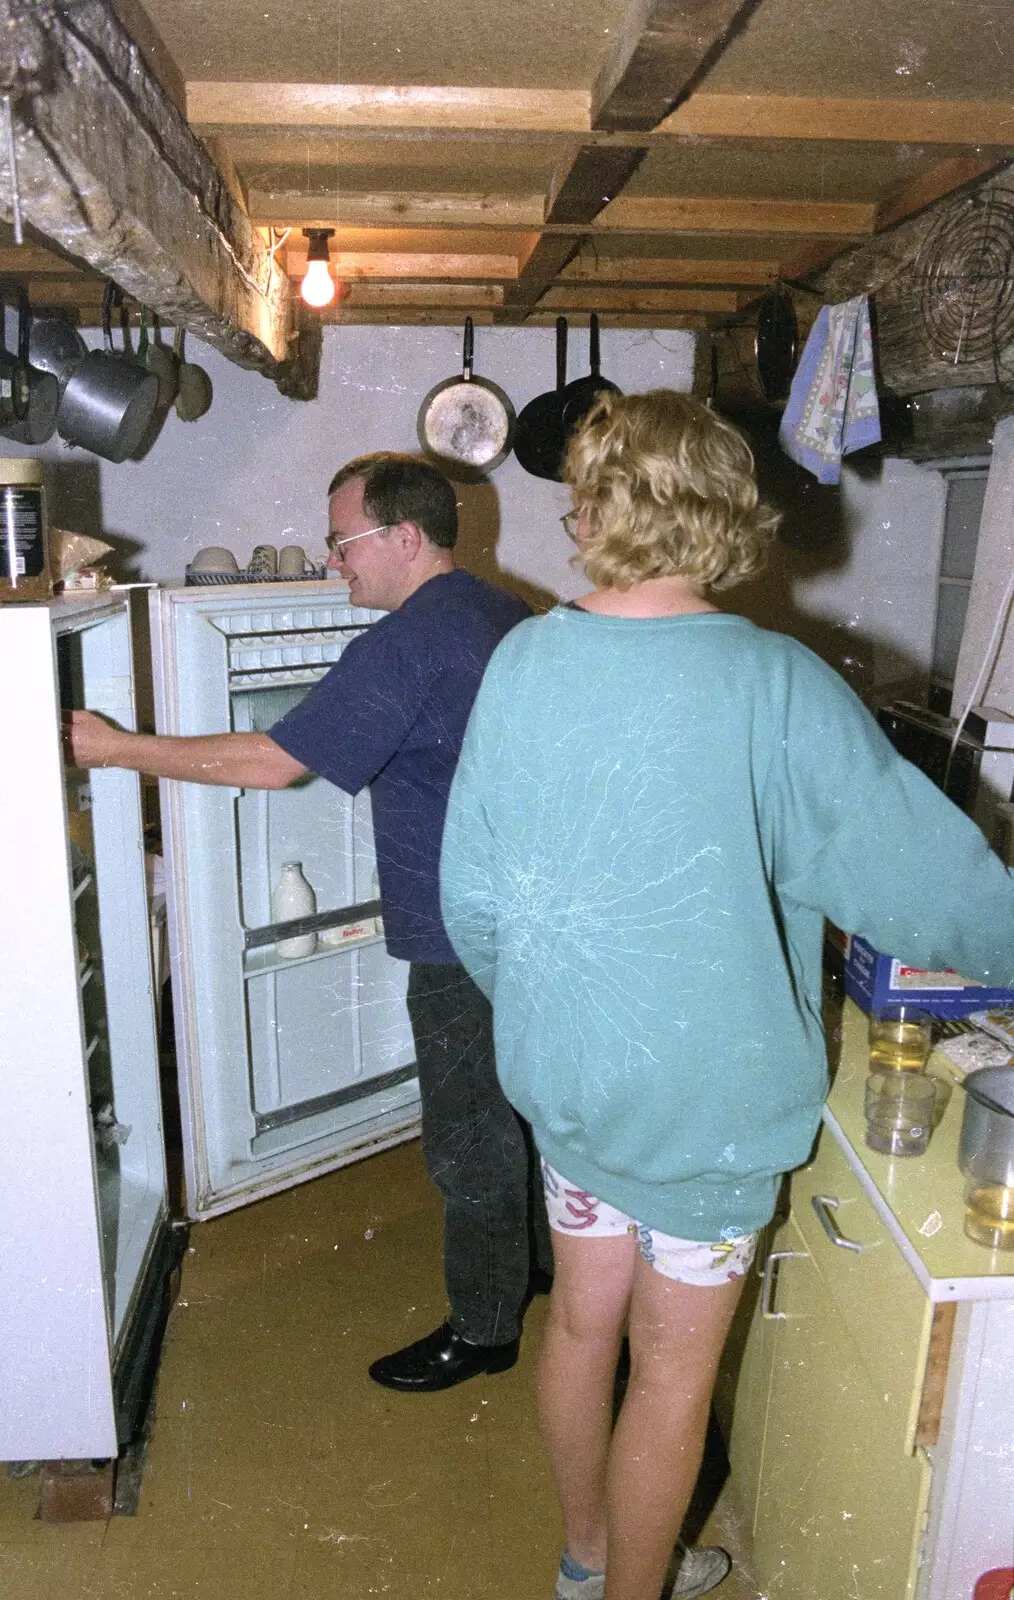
point(827, 1522)
point(866, 1394)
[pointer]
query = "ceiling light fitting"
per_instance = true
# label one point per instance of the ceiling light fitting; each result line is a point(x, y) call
point(318, 286)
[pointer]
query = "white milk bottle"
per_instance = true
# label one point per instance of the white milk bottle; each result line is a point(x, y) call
point(293, 897)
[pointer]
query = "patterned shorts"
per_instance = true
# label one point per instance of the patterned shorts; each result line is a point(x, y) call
point(574, 1210)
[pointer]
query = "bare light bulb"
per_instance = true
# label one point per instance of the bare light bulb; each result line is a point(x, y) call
point(317, 288)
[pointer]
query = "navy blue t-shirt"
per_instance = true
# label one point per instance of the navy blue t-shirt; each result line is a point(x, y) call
point(391, 713)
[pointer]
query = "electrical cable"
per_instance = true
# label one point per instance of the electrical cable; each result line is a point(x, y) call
point(988, 663)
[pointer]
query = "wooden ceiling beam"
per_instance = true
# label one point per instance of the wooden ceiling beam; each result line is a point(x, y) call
point(772, 116)
point(363, 105)
point(442, 268)
point(582, 186)
point(294, 208)
point(942, 179)
point(661, 47)
point(109, 170)
point(644, 214)
point(568, 297)
point(364, 110)
point(364, 293)
point(668, 270)
point(405, 316)
point(17, 260)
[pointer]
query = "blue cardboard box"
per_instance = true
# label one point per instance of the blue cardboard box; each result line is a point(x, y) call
point(874, 979)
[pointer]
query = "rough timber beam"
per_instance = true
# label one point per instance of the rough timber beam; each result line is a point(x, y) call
point(108, 170)
point(906, 270)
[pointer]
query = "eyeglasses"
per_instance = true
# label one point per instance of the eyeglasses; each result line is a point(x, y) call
point(570, 520)
point(336, 542)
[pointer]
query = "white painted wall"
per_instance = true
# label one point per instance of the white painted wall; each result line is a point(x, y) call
point(255, 469)
point(857, 573)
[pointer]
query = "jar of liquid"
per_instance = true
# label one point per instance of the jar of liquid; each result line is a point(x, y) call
point(294, 897)
point(24, 544)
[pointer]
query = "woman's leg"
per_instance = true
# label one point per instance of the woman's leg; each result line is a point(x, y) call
point(677, 1332)
point(588, 1309)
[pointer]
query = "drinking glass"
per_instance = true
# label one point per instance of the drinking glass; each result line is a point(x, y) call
point(901, 1037)
point(899, 1112)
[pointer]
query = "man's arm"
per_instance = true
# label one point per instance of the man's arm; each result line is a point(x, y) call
point(237, 760)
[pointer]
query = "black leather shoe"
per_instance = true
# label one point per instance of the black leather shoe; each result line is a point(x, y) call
point(440, 1361)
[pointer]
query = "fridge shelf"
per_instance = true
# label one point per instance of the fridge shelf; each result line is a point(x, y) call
point(258, 962)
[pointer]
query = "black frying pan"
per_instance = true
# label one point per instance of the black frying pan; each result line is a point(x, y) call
point(581, 395)
point(539, 441)
point(467, 424)
point(776, 343)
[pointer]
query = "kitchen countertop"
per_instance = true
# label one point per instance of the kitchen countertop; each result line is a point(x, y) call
point(921, 1198)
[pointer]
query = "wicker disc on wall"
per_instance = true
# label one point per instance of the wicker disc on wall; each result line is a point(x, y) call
point(965, 269)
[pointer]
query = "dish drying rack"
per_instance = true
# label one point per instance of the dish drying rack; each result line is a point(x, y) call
point(313, 574)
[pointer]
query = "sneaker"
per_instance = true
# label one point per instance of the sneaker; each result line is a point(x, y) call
point(702, 1569)
point(591, 1588)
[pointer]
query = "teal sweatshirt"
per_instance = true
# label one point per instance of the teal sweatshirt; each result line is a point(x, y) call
point(648, 824)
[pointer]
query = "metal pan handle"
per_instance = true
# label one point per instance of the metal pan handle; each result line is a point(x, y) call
point(561, 352)
point(593, 343)
point(469, 351)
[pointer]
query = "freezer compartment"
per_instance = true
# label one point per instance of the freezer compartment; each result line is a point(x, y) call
point(288, 1066)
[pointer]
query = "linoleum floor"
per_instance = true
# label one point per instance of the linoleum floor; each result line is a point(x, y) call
point(277, 1471)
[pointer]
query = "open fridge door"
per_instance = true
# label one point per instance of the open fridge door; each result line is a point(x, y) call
point(293, 1040)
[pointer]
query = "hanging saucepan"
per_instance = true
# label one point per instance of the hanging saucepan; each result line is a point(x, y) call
point(56, 347)
point(39, 423)
point(109, 400)
point(467, 424)
point(194, 392)
point(539, 441)
point(155, 357)
point(581, 395)
point(776, 343)
point(14, 391)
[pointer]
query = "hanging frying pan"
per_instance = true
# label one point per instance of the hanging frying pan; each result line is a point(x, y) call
point(467, 424)
point(539, 441)
point(581, 395)
point(776, 343)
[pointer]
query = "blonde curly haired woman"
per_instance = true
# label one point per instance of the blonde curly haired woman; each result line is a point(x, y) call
point(656, 806)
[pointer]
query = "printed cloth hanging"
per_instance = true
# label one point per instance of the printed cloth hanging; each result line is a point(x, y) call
point(832, 407)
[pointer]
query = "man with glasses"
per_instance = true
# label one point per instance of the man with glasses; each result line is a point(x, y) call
point(391, 715)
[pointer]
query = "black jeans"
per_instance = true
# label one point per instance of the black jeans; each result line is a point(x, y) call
point(479, 1154)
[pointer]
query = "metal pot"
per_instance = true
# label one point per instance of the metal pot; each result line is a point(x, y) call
point(54, 346)
point(467, 424)
point(986, 1151)
point(39, 423)
point(194, 393)
point(14, 393)
point(109, 400)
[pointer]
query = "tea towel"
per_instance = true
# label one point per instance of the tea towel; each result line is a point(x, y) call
point(832, 406)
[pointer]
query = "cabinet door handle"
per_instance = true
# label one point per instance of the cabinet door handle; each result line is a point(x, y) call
point(823, 1205)
point(768, 1285)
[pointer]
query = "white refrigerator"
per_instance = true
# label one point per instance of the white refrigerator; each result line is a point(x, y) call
point(288, 1066)
point(84, 1228)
